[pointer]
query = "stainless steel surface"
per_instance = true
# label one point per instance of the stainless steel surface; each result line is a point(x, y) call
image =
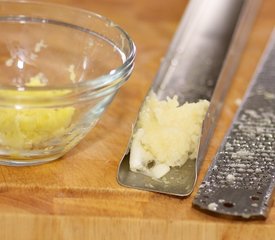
point(190, 70)
point(241, 179)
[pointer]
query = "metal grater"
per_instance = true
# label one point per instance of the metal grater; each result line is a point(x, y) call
point(240, 181)
point(199, 64)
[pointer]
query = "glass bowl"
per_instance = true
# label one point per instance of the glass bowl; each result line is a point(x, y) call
point(60, 68)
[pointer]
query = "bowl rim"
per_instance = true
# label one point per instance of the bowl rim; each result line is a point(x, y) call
point(98, 83)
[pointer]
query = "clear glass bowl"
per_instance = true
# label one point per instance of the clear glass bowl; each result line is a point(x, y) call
point(60, 68)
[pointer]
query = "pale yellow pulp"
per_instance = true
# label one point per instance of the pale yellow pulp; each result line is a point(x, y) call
point(23, 129)
point(167, 135)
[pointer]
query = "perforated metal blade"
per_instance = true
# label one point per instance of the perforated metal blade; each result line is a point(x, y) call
point(240, 181)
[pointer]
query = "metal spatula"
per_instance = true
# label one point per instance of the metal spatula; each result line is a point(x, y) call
point(196, 59)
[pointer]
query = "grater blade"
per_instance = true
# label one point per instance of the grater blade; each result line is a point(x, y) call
point(240, 180)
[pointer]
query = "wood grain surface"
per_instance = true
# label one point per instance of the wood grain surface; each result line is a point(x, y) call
point(78, 197)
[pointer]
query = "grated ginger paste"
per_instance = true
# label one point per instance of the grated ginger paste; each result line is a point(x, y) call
point(23, 129)
point(167, 135)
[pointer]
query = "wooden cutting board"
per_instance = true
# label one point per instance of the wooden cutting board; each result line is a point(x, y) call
point(78, 197)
